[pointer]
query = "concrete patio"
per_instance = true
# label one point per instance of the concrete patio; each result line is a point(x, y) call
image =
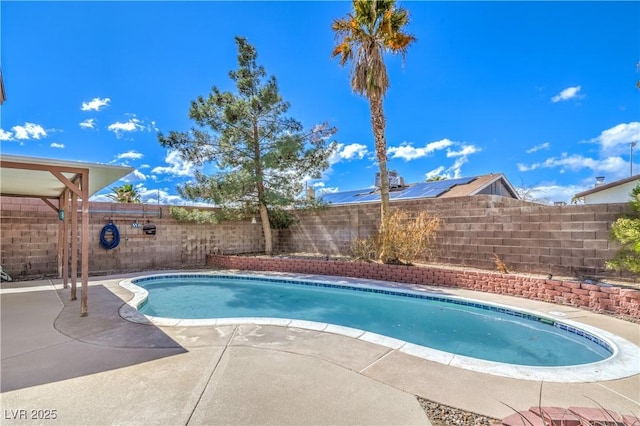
point(103, 369)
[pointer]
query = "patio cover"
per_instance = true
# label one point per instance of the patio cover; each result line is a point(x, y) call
point(50, 179)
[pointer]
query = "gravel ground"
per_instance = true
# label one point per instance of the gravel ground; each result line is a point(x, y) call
point(443, 415)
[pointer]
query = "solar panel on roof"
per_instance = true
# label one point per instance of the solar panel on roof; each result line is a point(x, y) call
point(346, 196)
point(417, 190)
point(375, 196)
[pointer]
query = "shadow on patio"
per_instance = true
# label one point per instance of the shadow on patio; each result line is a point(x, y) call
point(44, 339)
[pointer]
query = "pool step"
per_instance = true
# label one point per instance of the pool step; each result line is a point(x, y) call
point(572, 416)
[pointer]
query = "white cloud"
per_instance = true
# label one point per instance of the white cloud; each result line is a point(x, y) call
point(177, 166)
point(161, 196)
point(456, 168)
point(57, 145)
point(89, 123)
point(614, 148)
point(540, 147)
point(129, 155)
point(139, 175)
point(465, 151)
point(28, 131)
point(462, 157)
point(461, 154)
point(329, 190)
point(614, 165)
point(148, 196)
point(134, 176)
point(435, 172)
point(407, 152)
point(323, 189)
point(132, 125)
point(355, 150)
point(5, 136)
point(348, 152)
point(96, 104)
point(101, 198)
point(144, 166)
point(617, 139)
point(568, 93)
point(550, 192)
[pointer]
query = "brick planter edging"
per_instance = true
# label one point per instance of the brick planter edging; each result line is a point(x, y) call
point(593, 297)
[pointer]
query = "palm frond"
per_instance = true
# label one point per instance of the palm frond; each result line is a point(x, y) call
point(374, 27)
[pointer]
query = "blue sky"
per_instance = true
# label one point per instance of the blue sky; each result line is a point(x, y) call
point(543, 92)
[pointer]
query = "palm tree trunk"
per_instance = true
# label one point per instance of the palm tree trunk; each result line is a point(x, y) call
point(378, 124)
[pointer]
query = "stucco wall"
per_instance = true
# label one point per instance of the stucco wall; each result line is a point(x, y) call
point(618, 194)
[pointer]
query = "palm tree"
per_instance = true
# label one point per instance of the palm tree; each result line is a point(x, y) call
point(126, 193)
point(363, 36)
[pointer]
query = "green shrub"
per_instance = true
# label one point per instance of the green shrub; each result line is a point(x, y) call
point(193, 215)
point(626, 231)
point(278, 218)
point(281, 219)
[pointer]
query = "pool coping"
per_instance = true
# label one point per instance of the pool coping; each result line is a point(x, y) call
point(624, 362)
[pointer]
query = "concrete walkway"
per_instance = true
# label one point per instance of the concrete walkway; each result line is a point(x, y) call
point(103, 369)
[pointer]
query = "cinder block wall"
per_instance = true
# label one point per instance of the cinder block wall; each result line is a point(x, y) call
point(570, 240)
point(29, 236)
point(529, 238)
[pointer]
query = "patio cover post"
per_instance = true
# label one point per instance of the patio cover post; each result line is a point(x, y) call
point(65, 242)
point(74, 245)
point(60, 236)
point(84, 182)
point(55, 179)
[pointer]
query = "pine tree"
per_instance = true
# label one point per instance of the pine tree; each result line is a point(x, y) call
point(260, 155)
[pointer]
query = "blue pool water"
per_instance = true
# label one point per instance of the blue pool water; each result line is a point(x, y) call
point(465, 328)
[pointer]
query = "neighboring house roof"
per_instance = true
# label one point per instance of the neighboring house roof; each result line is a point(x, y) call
point(496, 184)
point(608, 186)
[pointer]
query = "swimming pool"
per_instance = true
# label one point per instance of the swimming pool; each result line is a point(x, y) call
point(478, 333)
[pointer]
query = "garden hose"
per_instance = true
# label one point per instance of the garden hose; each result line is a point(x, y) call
point(112, 229)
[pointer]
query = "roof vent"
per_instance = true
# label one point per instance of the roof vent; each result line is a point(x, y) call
point(599, 180)
point(395, 180)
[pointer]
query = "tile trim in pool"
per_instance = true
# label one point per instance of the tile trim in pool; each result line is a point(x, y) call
point(595, 339)
point(624, 361)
